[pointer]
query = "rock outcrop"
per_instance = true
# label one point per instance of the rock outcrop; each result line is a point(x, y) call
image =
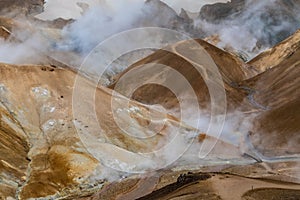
point(268, 18)
point(277, 54)
point(19, 7)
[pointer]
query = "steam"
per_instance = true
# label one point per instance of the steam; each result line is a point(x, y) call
point(250, 31)
point(29, 51)
point(100, 22)
point(260, 25)
point(21, 53)
point(68, 9)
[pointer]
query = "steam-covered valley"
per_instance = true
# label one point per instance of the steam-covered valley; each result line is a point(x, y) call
point(149, 100)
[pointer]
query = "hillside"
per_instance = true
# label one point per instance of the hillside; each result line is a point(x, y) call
point(183, 116)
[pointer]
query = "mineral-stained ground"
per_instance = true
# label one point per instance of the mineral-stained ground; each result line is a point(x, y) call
point(64, 140)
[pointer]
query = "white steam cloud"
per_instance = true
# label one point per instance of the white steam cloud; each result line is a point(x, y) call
point(100, 22)
point(260, 25)
point(29, 51)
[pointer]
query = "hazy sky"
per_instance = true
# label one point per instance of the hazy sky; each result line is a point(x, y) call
point(190, 5)
point(69, 9)
point(65, 9)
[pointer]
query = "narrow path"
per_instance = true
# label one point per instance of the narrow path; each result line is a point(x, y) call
point(251, 92)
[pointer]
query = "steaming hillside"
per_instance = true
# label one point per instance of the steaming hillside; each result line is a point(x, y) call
point(275, 20)
point(39, 139)
point(191, 119)
point(219, 23)
point(223, 24)
point(271, 94)
point(232, 69)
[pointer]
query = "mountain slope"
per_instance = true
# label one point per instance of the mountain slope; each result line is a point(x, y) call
point(277, 54)
point(277, 90)
point(231, 69)
point(50, 138)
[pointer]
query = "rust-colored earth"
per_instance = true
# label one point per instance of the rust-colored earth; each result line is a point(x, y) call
point(64, 140)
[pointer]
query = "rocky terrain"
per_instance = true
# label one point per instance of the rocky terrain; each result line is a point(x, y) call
point(64, 135)
point(21, 7)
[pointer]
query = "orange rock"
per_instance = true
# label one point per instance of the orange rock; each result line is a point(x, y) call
point(201, 137)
